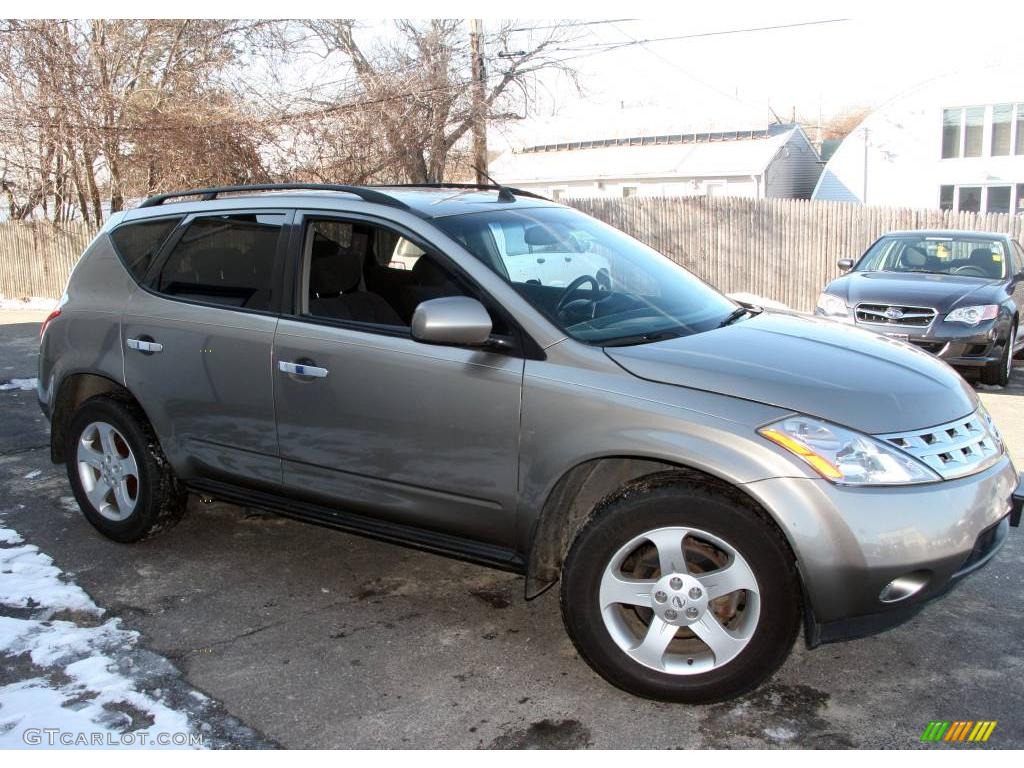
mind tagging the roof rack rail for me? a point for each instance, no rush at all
(457, 185)
(210, 193)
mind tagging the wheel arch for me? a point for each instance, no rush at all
(584, 487)
(75, 389)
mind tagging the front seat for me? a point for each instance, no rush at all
(429, 281)
(334, 277)
(982, 259)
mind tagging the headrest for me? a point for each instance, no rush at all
(914, 257)
(426, 271)
(981, 256)
(333, 269)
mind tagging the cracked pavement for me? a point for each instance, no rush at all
(318, 639)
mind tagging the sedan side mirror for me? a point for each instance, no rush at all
(845, 264)
(452, 320)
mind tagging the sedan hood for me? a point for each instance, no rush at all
(845, 375)
(943, 292)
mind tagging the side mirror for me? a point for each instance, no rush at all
(452, 320)
(845, 264)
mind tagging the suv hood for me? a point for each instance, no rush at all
(943, 292)
(846, 375)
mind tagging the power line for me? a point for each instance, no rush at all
(603, 47)
(570, 24)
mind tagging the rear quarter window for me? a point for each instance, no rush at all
(138, 244)
(227, 260)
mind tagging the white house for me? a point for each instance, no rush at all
(777, 161)
(955, 142)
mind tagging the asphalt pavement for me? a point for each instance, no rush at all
(319, 639)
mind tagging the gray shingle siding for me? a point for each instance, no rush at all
(795, 169)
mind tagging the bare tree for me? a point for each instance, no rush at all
(118, 108)
(412, 88)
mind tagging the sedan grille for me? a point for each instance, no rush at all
(895, 314)
(958, 448)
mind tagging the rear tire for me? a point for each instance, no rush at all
(751, 629)
(998, 373)
(118, 472)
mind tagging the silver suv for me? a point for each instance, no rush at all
(703, 478)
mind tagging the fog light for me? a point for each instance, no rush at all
(905, 586)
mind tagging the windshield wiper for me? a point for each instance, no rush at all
(735, 315)
(641, 338)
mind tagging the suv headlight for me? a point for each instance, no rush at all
(973, 315)
(832, 305)
(844, 456)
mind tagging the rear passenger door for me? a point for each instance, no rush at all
(197, 338)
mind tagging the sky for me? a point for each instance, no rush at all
(880, 50)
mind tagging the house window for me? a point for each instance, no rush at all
(974, 130)
(997, 199)
(628, 191)
(951, 132)
(1002, 129)
(969, 199)
(946, 192)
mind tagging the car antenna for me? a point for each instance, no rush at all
(504, 193)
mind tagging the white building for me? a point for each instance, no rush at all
(954, 142)
(777, 161)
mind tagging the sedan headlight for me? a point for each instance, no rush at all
(844, 456)
(832, 305)
(973, 315)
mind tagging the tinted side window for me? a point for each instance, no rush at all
(137, 244)
(225, 260)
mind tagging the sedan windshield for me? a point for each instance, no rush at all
(594, 282)
(962, 255)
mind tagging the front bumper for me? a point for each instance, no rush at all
(852, 542)
(959, 345)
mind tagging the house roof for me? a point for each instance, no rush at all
(719, 155)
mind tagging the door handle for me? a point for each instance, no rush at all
(300, 369)
(144, 346)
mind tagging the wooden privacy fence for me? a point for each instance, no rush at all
(784, 250)
(36, 257)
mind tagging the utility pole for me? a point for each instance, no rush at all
(479, 99)
(864, 195)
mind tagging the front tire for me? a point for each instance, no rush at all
(998, 373)
(118, 472)
(679, 591)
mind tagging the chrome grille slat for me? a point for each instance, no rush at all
(909, 316)
(970, 448)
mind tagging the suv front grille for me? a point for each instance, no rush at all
(959, 448)
(895, 314)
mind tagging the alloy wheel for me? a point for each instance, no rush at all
(679, 600)
(108, 471)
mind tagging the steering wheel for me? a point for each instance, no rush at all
(970, 268)
(566, 300)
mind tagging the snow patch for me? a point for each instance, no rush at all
(29, 302)
(29, 579)
(33, 474)
(23, 384)
(85, 683)
(780, 733)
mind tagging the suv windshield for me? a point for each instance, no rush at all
(962, 255)
(594, 282)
